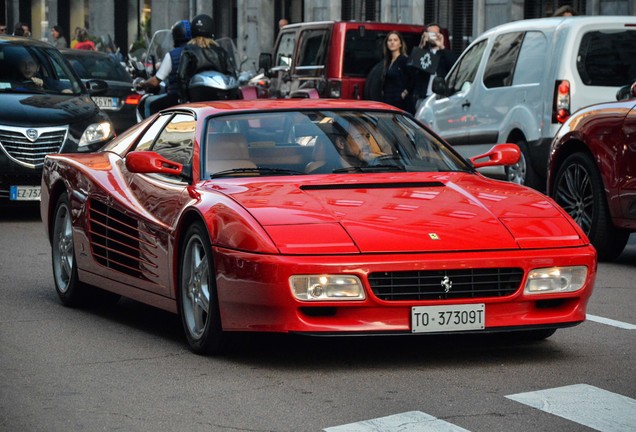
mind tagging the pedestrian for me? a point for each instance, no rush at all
(202, 53)
(167, 72)
(398, 76)
(441, 61)
(74, 38)
(59, 41)
(282, 23)
(565, 10)
(83, 42)
(3, 29)
(19, 30)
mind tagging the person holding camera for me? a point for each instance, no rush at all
(442, 60)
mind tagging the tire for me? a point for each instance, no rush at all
(578, 189)
(522, 172)
(198, 299)
(67, 284)
(373, 84)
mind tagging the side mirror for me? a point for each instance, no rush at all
(626, 92)
(265, 63)
(500, 154)
(439, 86)
(96, 87)
(148, 162)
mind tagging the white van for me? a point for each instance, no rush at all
(520, 81)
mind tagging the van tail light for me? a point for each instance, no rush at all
(132, 99)
(561, 102)
(334, 89)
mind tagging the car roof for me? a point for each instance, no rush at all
(353, 24)
(245, 105)
(573, 22)
(23, 41)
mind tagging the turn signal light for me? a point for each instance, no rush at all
(132, 99)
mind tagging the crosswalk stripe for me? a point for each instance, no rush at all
(585, 404)
(611, 322)
(412, 421)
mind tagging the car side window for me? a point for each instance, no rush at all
(463, 74)
(285, 52)
(532, 53)
(502, 59)
(313, 47)
(149, 137)
(176, 141)
(607, 58)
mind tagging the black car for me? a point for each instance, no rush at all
(44, 108)
(120, 100)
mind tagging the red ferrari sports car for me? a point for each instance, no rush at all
(592, 171)
(311, 216)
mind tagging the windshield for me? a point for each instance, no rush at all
(29, 69)
(322, 142)
(96, 66)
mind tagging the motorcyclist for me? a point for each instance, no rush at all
(181, 34)
(202, 53)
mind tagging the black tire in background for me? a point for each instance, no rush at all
(578, 188)
(373, 84)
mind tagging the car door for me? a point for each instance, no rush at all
(627, 177)
(450, 115)
(160, 198)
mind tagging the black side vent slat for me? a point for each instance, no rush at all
(119, 244)
(446, 284)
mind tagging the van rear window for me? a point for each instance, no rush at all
(364, 49)
(607, 58)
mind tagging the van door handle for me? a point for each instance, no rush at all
(466, 104)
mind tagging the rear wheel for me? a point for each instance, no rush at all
(198, 300)
(70, 290)
(578, 188)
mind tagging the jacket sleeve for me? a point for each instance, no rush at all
(183, 75)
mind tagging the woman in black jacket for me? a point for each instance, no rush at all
(398, 76)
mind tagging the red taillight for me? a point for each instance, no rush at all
(561, 101)
(132, 99)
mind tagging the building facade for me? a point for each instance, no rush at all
(253, 24)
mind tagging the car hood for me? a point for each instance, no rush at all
(413, 213)
(45, 109)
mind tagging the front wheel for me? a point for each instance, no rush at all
(70, 290)
(578, 189)
(198, 300)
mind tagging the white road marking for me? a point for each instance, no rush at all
(412, 421)
(585, 404)
(611, 322)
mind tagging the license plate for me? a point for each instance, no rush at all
(107, 103)
(24, 193)
(425, 319)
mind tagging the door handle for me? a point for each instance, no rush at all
(466, 104)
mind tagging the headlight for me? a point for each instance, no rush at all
(96, 132)
(556, 280)
(326, 287)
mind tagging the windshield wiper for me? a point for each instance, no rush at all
(255, 170)
(372, 168)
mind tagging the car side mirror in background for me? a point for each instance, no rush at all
(96, 87)
(265, 63)
(500, 154)
(439, 86)
(626, 92)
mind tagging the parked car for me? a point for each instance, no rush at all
(328, 59)
(45, 109)
(311, 216)
(120, 100)
(592, 172)
(520, 81)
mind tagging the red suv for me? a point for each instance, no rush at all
(328, 59)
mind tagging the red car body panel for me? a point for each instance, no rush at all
(608, 131)
(265, 229)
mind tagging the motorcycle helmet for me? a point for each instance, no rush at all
(181, 33)
(202, 25)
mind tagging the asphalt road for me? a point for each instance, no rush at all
(128, 367)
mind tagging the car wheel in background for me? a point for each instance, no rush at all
(70, 290)
(578, 188)
(198, 300)
(522, 172)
